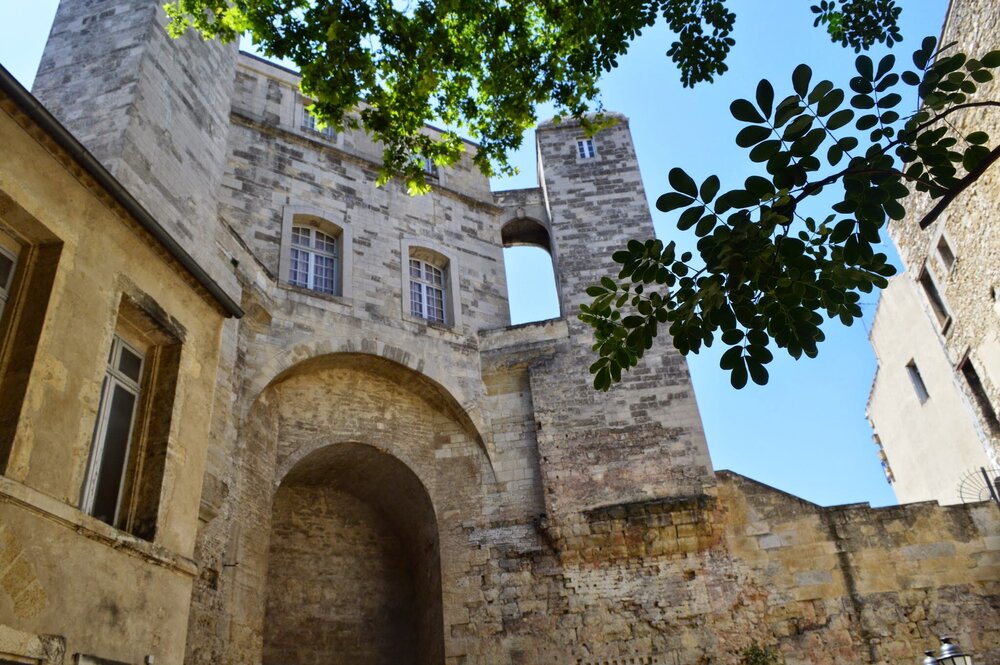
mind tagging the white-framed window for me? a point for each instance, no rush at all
(314, 260)
(109, 451)
(427, 291)
(430, 283)
(8, 264)
(585, 149)
(309, 123)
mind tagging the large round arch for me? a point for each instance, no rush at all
(354, 573)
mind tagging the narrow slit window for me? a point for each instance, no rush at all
(944, 253)
(8, 263)
(917, 380)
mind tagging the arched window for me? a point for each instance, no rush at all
(315, 251)
(314, 260)
(430, 283)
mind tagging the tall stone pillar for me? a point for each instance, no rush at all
(643, 440)
(153, 110)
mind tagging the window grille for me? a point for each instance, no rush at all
(585, 149)
(427, 291)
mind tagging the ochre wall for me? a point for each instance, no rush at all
(63, 572)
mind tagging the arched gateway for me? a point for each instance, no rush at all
(367, 455)
(354, 572)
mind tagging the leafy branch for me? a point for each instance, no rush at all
(768, 274)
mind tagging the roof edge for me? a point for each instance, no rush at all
(34, 109)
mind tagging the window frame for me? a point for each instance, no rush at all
(586, 149)
(7, 289)
(312, 253)
(917, 381)
(309, 124)
(441, 259)
(113, 377)
(322, 220)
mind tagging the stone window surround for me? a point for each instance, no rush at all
(943, 241)
(322, 219)
(441, 257)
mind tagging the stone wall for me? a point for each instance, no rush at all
(969, 288)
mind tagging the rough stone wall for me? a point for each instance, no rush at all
(644, 439)
(971, 287)
(338, 572)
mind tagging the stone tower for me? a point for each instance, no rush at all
(153, 110)
(388, 471)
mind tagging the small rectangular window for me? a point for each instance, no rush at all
(585, 149)
(978, 392)
(938, 306)
(945, 254)
(918, 381)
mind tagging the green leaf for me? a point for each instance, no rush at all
(973, 155)
(705, 225)
(865, 67)
(765, 97)
(738, 376)
(834, 154)
(978, 138)
(884, 65)
(923, 54)
(732, 356)
(757, 372)
(751, 135)
(991, 59)
(690, 217)
(830, 101)
(682, 182)
(595, 290)
(800, 80)
(709, 188)
(765, 150)
(910, 78)
(672, 201)
(839, 119)
(744, 111)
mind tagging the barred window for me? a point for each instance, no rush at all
(314, 260)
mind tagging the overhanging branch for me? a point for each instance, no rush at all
(962, 185)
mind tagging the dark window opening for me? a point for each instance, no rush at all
(944, 251)
(938, 306)
(979, 395)
(918, 381)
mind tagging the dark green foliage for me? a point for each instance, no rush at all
(757, 655)
(476, 65)
(859, 23)
(769, 274)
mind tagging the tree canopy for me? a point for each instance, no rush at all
(772, 265)
(771, 260)
(479, 66)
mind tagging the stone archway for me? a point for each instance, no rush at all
(354, 573)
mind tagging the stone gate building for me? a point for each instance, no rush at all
(332, 447)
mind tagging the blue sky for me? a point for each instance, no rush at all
(805, 432)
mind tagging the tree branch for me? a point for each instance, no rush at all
(962, 185)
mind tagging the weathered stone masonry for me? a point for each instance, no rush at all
(379, 488)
